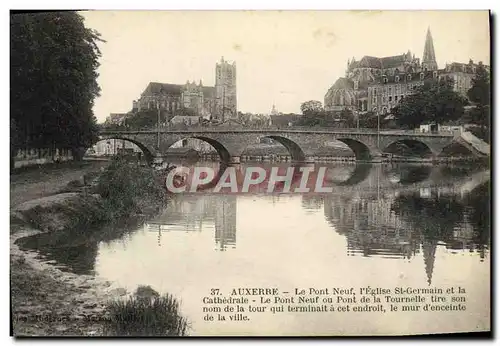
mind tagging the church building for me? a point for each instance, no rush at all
(217, 102)
(376, 84)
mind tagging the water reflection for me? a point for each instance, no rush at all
(378, 216)
(194, 213)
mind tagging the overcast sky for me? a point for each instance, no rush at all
(282, 57)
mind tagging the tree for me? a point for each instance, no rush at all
(347, 118)
(53, 78)
(369, 120)
(433, 102)
(309, 107)
(479, 95)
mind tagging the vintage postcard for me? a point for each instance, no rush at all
(250, 173)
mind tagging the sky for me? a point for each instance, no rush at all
(282, 57)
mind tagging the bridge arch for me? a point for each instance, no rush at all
(415, 147)
(294, 149)
(360, 149)
(221, 149)
(359, 174)
(408, 175)
(148, 152)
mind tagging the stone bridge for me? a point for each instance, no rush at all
(300, 143)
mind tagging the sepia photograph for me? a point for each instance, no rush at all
(249, 173)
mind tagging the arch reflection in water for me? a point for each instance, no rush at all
(408, 174)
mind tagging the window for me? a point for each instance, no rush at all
(397, 79)
(390, 90)
(435, 74)
(390, 98)
(421, 76)
(384, 78)
(408, 78)
(374, 109)
(396, 98)
(402, 97)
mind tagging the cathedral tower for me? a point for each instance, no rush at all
(225, 91)
(429, 59)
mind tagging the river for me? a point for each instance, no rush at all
(382, 226)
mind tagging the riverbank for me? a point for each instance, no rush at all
(35, 182)
(47, 300)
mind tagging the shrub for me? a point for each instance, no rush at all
(141, 315)
(128, 189)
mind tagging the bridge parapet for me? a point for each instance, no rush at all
(300, 142)
(201, 130)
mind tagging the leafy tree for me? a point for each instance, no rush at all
(309, 107)
(347, 118)
(433, 102)
(53, 72)
(479, 94)
(370, 120)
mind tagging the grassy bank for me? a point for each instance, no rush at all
(42, 302)
(122, 190)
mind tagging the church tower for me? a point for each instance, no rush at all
(429, 253)
(429, 59)
(225, 91)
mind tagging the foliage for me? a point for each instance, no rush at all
(480, 91)
(480, 94)
(433, 102)
(370, 120)
(322, 118)
(53, 72)
(127, 188)
(146, 315)
(310, 107)
(143, 119)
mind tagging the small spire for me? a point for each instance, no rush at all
(201, 84)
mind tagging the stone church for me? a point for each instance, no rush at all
(217, 102)
(377, 84)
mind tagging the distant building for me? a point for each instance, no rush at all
(377, 84)
(116, 118)
(175, 98)
(462, 74)
(210, 102)
(110, 147)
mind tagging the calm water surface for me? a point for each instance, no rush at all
(382, 226)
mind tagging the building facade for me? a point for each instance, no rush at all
(191, 99)
(225, 91)
(377, 84)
